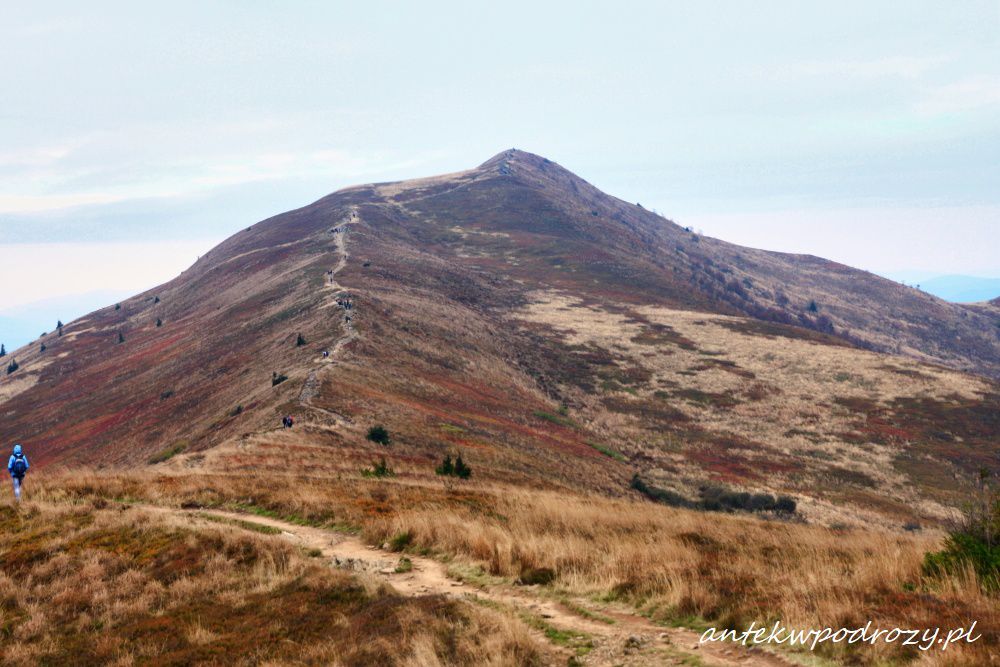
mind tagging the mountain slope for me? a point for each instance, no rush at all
(551, 332)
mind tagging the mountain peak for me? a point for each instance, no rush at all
(513, 159)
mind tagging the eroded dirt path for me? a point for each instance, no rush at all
(616, 635)
(310, 387)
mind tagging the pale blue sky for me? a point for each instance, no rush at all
(867, 132)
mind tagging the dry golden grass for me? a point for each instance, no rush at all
(676, 565)
(93, 584)
(783, 394)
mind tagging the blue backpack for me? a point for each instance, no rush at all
(19, 467)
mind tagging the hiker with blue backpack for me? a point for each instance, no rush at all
(17, 466)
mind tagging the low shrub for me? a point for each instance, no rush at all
(379, 434)
(975, 540)
(379, 469)
(537, 576)
(717, 499)
(400, 541)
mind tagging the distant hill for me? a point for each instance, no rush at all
(561, 335)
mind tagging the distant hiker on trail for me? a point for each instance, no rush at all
(287, 421)
(17, 466)
(326, 353)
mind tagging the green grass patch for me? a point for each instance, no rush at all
(168, 453)
(607, 451)
(475, 575)
(296, 519)
(579, 642)
(555, 419)
(400, 541)
(580, 610)
(239, 523)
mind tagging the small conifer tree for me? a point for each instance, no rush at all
(3, 350)
(300, 341)
(462, 471)
(121, 337)
(447, 468)
(159, 322)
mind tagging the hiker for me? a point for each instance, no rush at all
(17, 466)
(287, 421)
(326, 353)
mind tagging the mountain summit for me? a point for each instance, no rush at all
(515, 310)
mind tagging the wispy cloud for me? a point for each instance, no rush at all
(36, 156)
(970, 94)
(901, 67)
(50, 178)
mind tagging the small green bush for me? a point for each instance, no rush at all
(379, 434)
(718, 499)
(659, 495)
(962, 549)
(300, 340)
(379, 469)
(400, 541)
(975, 540)
(537, 576)
(785, 505)
(12, 366)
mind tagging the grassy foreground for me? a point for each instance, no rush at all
(91, 583)
(677, 566)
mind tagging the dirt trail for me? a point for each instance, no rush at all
(311, 386)
(618, 636)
